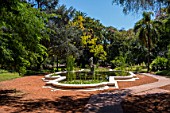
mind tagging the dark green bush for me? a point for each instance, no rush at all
(163, 72)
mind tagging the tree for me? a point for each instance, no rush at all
(43, 4)
(21, 30)
(161, 48)
(141, 5)
(91, 38)
(148, 32)
(64, 37)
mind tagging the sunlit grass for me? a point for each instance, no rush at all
(5, 75)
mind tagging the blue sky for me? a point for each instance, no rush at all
(105, 11)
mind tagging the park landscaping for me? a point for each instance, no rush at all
(58, 59)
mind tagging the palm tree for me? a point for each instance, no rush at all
(148, 31)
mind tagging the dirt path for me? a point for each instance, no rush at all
(27, 95)
(151, 87)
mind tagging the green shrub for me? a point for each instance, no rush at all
(70, 63)
(163, 72)
(160, 63)
(22, 70)
(168, 54)
(138, 68)
(120, 63)
(70, 67)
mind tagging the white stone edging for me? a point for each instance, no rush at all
(112, 81)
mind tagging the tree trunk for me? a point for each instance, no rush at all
(38, 3)
(148, 70)
(149, 50)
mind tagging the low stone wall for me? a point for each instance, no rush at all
(79, 86)
(54, 81)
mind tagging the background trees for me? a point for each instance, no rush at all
(37, 33)
(161, 8)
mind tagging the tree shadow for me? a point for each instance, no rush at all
(62, 104)
(7, 97)
(149, 103)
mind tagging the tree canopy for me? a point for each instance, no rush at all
(135, 6)
(21, 30)
(40, 33)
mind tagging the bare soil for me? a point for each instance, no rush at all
(143, 79)
(149, 103)
(27, 95)
(167, 87)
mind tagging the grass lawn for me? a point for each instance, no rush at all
(5, 75)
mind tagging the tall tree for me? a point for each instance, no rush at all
(91, 39)
(64, 38)
(21, 30)
(148, 32)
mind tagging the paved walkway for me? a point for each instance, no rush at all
(110, 102)
(152, 87)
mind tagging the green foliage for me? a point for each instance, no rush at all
(91, 38)
(148, 32)
(36, 72)
(168, 54)
(21, 30)
(120, 63)
(28, 39)
(101, 69)
(64, 37)
(83, 81)
(140, 68)
(70, 67)
(70, 63)
(54, 70)
(160, 63)
(163, 73)
(140, 5)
